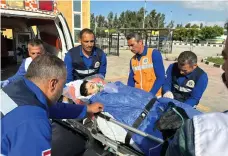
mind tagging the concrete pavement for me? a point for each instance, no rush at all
(199, 51)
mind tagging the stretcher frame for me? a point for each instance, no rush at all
(110, 146)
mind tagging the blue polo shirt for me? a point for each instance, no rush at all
(197, 91)
(20, 73)
(158, 69)
(26, 129)
(87, 61)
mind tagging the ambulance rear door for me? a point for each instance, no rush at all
(65, 34)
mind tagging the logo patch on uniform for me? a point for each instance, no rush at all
(145, 61)
(97, 64)
(46, 152)
(190, 84)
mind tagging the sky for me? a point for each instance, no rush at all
(182, 12)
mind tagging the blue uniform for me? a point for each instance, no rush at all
(195, 93)
(25, 126)
(158, 69)
(22, 70)
(76, 59)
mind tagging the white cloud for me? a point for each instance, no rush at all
(207, 5)
(219, 23)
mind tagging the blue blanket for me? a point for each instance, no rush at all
(126, 105)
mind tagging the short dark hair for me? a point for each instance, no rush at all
(46, 66)
(83, 89)
(187, 57)
(35, 42)
(136, 36)
(86, 30)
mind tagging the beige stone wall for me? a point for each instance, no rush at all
(85, 14)
(66, 8)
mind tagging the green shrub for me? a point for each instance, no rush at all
(216, 60)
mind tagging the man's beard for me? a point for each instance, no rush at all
(55, 98)
(224, 79)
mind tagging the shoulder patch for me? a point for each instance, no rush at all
(190, 84)
(145, 61)
(97, 64)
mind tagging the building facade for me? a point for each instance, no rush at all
(77, 14)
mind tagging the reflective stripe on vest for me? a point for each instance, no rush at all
(89, 71)
(7, 104)
(182, 89)
(144, 75)
(142, 67)
(80, 71)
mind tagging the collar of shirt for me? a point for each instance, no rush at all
(187, 76)
(94, 53)
(143, 53)
(36, 90)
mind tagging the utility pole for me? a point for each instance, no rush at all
(95, 29)
(170, 34)
(144, 15)
(191, 45)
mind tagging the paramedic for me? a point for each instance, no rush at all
(146, 66)
(206, 134)
(185, 81)
(86, 59)
(26, 130)
(35, 48)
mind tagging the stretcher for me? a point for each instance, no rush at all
(109, 147)
(172, 117)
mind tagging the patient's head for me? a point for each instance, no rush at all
(88, 88)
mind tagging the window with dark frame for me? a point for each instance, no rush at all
(77, 15)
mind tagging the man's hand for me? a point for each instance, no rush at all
(95, 108)
(4, 83)
(168, 95)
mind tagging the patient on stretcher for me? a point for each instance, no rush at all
(88, 88)
(125, 104)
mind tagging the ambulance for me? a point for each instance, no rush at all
(27, 19)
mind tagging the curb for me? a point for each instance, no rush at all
(182, 44)
(200, 44)
(211, 63)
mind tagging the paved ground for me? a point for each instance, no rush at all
(214, 98)
(200, 51)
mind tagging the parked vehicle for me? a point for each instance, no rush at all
(217, 40)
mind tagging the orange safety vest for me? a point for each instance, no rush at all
(144, 75)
